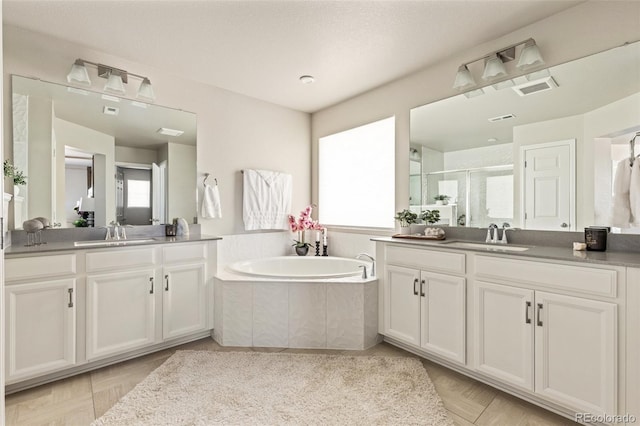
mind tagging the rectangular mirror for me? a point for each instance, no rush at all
(538, 155)
(92, 158)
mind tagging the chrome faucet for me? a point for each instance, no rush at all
(115, 235)
(373, 262)
(492, 233)
(505, 225)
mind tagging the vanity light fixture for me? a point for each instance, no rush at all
(78, 73)
(495, 71)
(464, 78)
(116, 79)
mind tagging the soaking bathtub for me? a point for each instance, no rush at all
(296, 302)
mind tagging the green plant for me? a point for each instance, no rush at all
(300, 244)
(80, 223)
(430, 216)
(406, 217)
(10, 171)
(441, 197)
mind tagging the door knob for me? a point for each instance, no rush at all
(564, 225)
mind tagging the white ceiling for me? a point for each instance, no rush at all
(260, 48)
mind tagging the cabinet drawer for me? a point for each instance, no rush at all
(114, 260)
(426, 259)
(184, 252)
(586, 280)
(39, 266)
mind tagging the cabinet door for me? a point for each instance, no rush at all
(504, 333)
(402, 304)
(442, 313)
(40, 328)
(576, 352)
(184, 300)
(120, 312)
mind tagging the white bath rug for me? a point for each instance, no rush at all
(244, 388)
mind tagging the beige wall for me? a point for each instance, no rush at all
(128, 154)
(582, 30)
(235, 132)
(180, 178)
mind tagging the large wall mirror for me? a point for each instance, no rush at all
(538, 155)
(95, 156)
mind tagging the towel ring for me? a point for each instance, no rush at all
(206, 176)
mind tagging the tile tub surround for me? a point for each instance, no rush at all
(338, 313)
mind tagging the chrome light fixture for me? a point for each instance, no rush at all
(146, 91)
(114, 83)
(116, 79)
(493, 68)
(495, 72)
(79, 73)
(464, 79)
(530, 56)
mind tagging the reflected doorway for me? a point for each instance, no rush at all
(133, 196)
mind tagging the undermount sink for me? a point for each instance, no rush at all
(109, 243)
(483, 246)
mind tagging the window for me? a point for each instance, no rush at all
(356, 176)
(138, 193)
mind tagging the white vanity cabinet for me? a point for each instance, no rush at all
(184, 290)
(563, 335)
(121, 305)
(529, 334)
(68, 313)
(40, 315)
(423, 306)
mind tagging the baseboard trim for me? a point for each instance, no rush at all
(94, 365)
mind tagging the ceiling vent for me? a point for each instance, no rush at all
(109, 110)
(502, 118)
(169, 132)
(536, 86)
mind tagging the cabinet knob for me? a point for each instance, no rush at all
(564, 225)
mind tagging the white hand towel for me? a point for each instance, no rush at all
(621, 207)
(211, 207)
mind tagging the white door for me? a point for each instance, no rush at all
(548, 189)
(120, 312)
(40, 328)
(184, 300)
(504, 333)
(576, 352)
(158, 197)
(402, 304)
(442, 315)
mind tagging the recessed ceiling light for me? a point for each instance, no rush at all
(492, 140)
(169, 132)
(307, 79)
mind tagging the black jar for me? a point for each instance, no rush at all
(596, 237)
